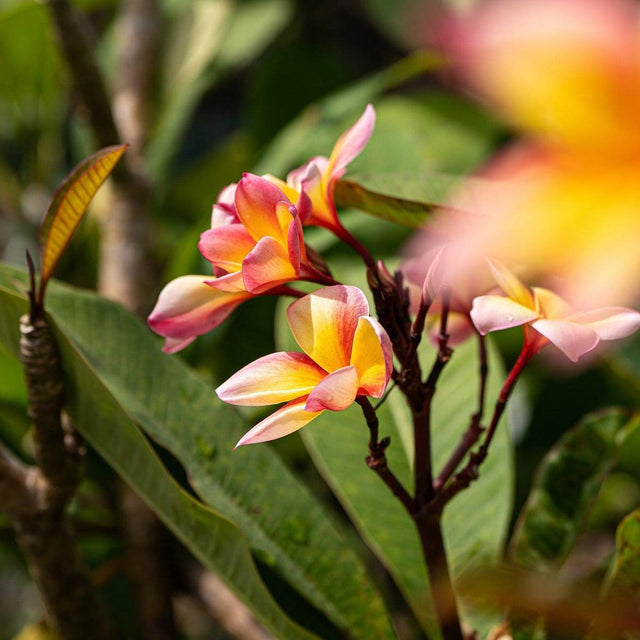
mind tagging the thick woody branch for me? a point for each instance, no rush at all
(35, 498)
(18, 482)
(55, 459)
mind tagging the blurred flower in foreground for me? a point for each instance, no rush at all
(187, 307)
(318, 177)
(548, 318)
(425, 277)
(346, 353)
(565, 203)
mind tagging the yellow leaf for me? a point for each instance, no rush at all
(69, 204)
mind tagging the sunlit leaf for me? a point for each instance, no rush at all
(69, 204)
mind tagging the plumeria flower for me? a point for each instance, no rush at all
(256, 241)
(565, 200)
(318, 177)
(187, 307)
(426, 275)
(346, 353)
(547, 318)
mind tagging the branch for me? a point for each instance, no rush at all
(75, 39)
(473, 433)
(377, 460)
(18, 494)
(35, 497)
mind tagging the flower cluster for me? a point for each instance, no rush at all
(256, 243)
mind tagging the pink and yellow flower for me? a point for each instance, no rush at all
(566, 201)
(547, 318)
(188, 306)
(318, 177)
(256, 241)
(426, 275)
(346, 353)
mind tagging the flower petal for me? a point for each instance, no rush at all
(187, 307)
(573, 339)
(610, 323)
(372, 356)
(510, 284)
(324, 324)
(277, 377)
(493, 313)
(550, 304)
(231, 282)
(284, 421)
(267, 265)
(459, 327)
(226, 246)
(336, 391)
(350, 144)
(564, 70)
(256, 203)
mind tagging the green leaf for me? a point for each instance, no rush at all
(115, 364)
(213, 38)
(625, 577)
(566, 486)
(404, 198)
(475, 523)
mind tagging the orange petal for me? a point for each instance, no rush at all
(284, 421)
(372, 357)
(278, 377)
(324, 324)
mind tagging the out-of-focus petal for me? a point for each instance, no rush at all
(336, 392)
(277, 377)
(493, 313)
(509, 283)
(372, 356)
(573, 339)
(256, 203)
(351, 143)
(266, 266)
(459, 327)
(324, 323)
(610, 323)
(565, 70)
(187, 307)
(227, 246)
(569, 218)
(550, 304)
(284, 421)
